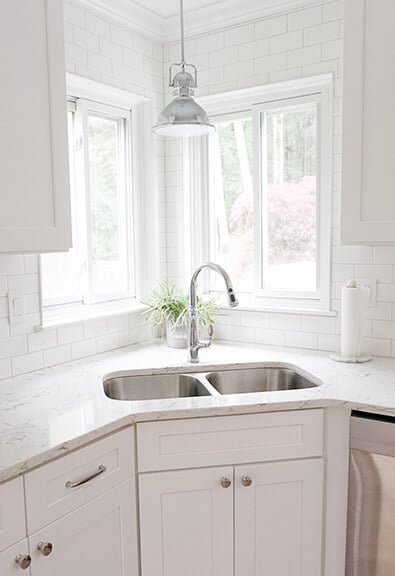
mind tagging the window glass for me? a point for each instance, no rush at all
(106, 205)
(289, 192)
(233, 242)
(60, 270)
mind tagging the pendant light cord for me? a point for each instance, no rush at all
(182, 35)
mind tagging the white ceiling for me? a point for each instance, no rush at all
(170, 8)
(160, 18)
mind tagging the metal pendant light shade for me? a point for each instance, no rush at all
(183, 117)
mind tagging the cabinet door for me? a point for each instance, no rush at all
(97, 539)
(186, 523)
(368, 199)
(8, 564)
(278, 519)
(34, 187)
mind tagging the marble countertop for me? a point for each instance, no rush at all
(53, 411)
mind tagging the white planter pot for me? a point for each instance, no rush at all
(176, 335)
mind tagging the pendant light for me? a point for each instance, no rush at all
(183, 117)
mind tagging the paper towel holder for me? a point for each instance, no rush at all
(352, 359)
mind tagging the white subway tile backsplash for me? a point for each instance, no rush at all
(83, 349)
(97, 25)
(269, 337)
(304, 56)
(285, 42)
(86, 39)
(251, 50)
(333, 11)
(271, 63)
(305, 18)
(301, 340)
(271, 27)
(47, 338)
(321, 33)
(239, 35)
(121, 36)
(57, 355)
(70, 333)
(27, 363)
(269, 50)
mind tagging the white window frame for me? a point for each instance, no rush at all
(198, 215)
(89, 94)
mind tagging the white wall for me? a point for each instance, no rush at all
(106, 52)
(301, 43)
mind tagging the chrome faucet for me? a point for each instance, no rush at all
(194, 343)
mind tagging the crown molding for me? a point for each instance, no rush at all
(221, 14)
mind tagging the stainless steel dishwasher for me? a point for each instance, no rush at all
(371, 499)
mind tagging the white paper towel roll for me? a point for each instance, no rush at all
(354, 300)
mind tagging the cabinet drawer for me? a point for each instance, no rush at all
(229, 440)
(8, 565)
(69, 482)
(12, 513)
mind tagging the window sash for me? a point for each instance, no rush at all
(290, 104)
(126, 225)
(80, 197)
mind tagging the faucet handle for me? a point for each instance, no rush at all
(207, 343)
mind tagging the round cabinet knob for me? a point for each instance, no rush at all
(45, 548)
(23, 561)
(225, 482)
(246, 481)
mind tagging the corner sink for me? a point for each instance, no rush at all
(154, 387)
(265, 379)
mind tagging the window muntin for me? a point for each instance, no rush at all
(100, 263)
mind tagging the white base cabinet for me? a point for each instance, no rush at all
(278, 518)
(96, 539)
(186, 523)
(8, 565)
(241, 519)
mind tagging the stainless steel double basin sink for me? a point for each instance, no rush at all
(216, 383)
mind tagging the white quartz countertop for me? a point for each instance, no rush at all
(48, 413)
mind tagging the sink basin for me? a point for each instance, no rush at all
(154, 387)
(264, 379)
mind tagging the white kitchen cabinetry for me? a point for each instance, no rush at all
(368, 199)
(14, 550)
(278, 518)
(15, 560)
(186, 522)
(80, 511)
(98, 538)
(232, 519)
(34, 189)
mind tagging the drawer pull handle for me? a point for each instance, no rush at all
(23, 561)
(45, 548)
(225, 482)
(246, 481)
(99, 471)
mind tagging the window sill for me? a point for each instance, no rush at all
(54, 316)
(244, 307)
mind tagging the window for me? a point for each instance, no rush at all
(265, 181)
(99, 267)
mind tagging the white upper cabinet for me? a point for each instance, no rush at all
(368, 204)
(34, 184)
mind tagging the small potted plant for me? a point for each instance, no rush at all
(168, 309)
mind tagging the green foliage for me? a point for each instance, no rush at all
(104, 187)
(167, 304)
